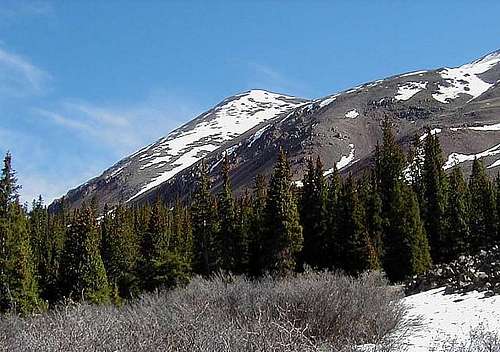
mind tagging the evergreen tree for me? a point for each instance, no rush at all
(226, 236)
(482, 208)
(38, 226)
(406, 246)
(330, 241)
(457, 215)
(255, 235)
(313, 215)
(84, 276)
(389, 165)
(406, 249)
(370, 196)
(283, 233)
(352, 241)
(435, 189)
(204, 225)
(120, 250)
(18, 284)
(51, 251)
(414, 172)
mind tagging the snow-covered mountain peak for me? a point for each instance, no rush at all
(191, 142)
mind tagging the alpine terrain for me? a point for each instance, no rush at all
(461, 104)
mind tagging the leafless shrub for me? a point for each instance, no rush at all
(480, 339)
(309, 312)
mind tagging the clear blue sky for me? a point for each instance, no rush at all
(84, 83)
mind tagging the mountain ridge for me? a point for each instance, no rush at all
(344, 126)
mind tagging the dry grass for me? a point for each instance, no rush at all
(309, 312)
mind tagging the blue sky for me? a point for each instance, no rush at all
(85, 83)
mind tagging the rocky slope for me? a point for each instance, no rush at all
(461, 104)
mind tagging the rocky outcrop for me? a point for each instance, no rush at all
(480, 272)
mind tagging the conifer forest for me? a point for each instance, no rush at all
(403, 215)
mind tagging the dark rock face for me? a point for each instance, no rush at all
(461, 104)
(480, 272)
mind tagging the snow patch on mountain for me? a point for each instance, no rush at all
(234, 116)
(433, 132)
(414, 73)
(352, 114)
(345, 160)
(326, 102)
(409, 89)
(457, 158)
(256, 136)
(464, 79)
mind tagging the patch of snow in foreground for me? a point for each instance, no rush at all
(447, 317)
(352, 114)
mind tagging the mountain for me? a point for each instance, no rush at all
(461, 104)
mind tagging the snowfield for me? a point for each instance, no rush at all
(409, 89)
(448, 317)
(464, 79)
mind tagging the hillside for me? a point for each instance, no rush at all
(461, 104)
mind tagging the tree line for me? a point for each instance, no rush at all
(402, 215)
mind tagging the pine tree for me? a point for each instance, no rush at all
(457, 216)
(352, 241)
(283, 233)
(406, 246)
(370, 196)
(38, 226)
(204, 224)
(120, 250)
(414, 172)
(51, 252)
(435, 190)
(406, 249)
(84, 276)
(482, 208)
(330, 241)
(18, 284)
(244, 218)
(255, 235)
(226, 236)
(313, 215)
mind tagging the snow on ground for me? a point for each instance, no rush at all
(182, 148)
(445, 317)
(257, 135)
(409, 89)
(327, 101)
(464, 79)
(345, 160)
(495, 127)
(352, 114)
(457, 158)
